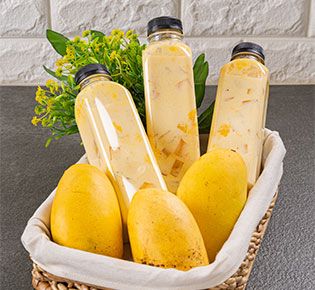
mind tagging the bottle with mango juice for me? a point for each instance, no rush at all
(171, 113)
(240, 107)
(113, 135)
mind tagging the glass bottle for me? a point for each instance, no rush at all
(113, 135)
(240, 107)
(171, 113)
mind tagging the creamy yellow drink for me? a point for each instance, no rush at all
(113, 135)
(171, 114)
(240, 107)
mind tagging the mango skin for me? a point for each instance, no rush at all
(163, 232)
(85, 213)
(215, 190)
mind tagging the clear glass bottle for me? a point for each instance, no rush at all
(113, 135)
(171, 113)
(240, 107)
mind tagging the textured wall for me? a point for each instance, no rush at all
(285, 28)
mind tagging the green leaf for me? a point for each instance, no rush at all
(52, 73)
(204, 120)
(57, 40)
(201, 71)
(48, 141)
(93, 60)
(200, 84)
(199, 61)
(96, 33)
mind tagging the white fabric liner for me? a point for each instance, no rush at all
(114, 273)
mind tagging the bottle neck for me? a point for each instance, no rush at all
(94, 78)
(250, 55)
(165, 34)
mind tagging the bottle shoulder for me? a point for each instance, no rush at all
(245, 67)
(103, 87)
(167, 48)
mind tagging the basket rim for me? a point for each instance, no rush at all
(238, 280)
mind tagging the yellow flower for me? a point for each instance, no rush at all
(35, 121)
(113, 55)
(129, 33)
(69, 55)
(59, 62)
(70, 51)
(59, 72)
(97, 47)
(40, 91)
(133, 37)
(50, 103)
(117, 32)
(52, 85)
(86, 33)
(82, 43)
(76, 39)
(40, 95)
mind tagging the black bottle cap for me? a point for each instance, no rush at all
(164, 22)
(249, 47)
(90, 69)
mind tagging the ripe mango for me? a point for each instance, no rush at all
(85, 213)
(163, 232)
(215, 190)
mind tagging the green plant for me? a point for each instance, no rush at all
(201, 71)
(121, 53)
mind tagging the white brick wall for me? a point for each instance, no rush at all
(285, 28)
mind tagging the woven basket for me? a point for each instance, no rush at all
(43, 280)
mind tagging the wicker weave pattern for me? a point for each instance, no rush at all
(42, 280)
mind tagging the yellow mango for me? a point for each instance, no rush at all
(163, 232)
(85, 213)
(215, 190)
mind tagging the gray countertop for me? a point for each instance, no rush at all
(29, 172)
